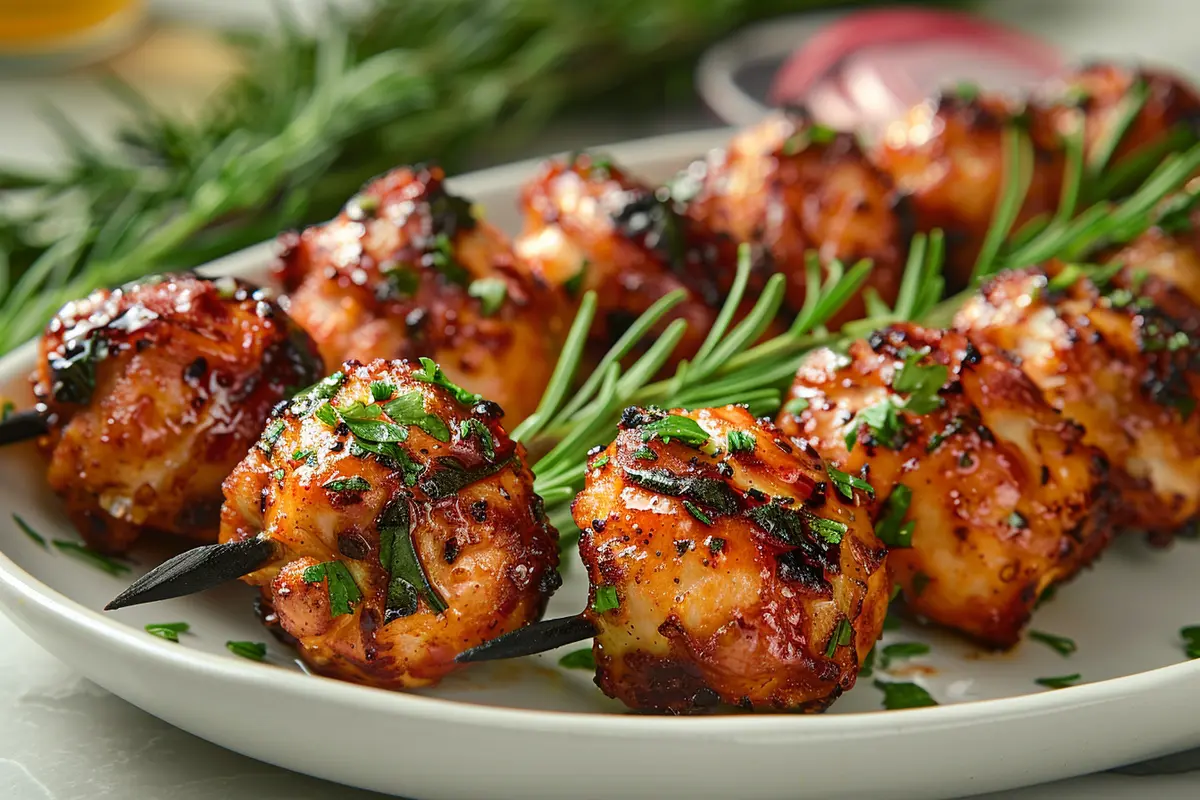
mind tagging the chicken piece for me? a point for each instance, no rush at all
(948, 155)
(987, 496)
(1119, 366)
(405, 524)
(724, 567)
(790, 186)
(589, 226)
(153, 392)
(1171, 258)
(406, 270)
(1103, 91)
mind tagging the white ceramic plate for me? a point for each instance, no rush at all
(530, 729)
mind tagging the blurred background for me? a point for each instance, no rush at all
(144, 135)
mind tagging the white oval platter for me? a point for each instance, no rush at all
(530, 729)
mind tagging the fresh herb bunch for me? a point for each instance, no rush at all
(316, 114)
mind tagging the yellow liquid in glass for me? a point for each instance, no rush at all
(42, 24)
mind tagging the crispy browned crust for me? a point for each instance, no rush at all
(725, 612)
(1120, 371)
(947, 156)
(185, 372)
(487, 547)
(775, 187)
(994, 449)
(390, 278)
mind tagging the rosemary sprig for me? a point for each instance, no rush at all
(1018, 173)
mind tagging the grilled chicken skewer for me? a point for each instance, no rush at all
(389, 522)
(725, 567)
(987, 497)
(407, 270)
(150, 394)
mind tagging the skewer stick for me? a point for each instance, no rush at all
(536, 638)
(22, 426)
(196, 570)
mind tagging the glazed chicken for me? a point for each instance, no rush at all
(790, 186)
(948, 156)
(407, 270)
(590, 227)
(404, 521)
(725, 566)
(1174, 260)
(153, 392)
(987, 497)
(1118, 364)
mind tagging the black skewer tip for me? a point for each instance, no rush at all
(22, 426)
(536, 638)
(196, 570)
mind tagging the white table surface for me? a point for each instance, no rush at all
(64, 738)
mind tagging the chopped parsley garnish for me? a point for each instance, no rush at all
(473, 427)
(303, 455)
(789, 525)
(6, 410)
(452, 476)
(255, 651)
(403, 279)
(645, 454)
(579, 659)
(891, 528)
(898, 695)
(491, 293)
(309, 400)
(327, 414)
(75, 374)
(441, 256)
(846, 483)
(398, 555)
(830, 530)
(1191, 640)
(573, 284)
(271, 435)
(599, 462)
(168, 630)
(365, 422)
(673, 426)
(343, 591)
(883, 421)
(842, 634)
(715, 544)
(1061, 644)
(901, 650)
(279, 474)
(432, 373)
(90, 556)
(409, 409)
(741, 442)
(796, 406)
(952, 427)
(921, 384)
(381, 391)
(710, 492)
(1058, 682)
(390, 454)
(606, 599)
(353, 484)
(1017, 520)
(695, 511)
(30, 532)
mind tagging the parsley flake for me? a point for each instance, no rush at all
(1058, 682)
(599, 462)
(473, 427)
(673, 426)
(891, 529)
(271, 435)
(408, 580)
(343, 591)
(842, 634)
(897, 695)
(1060, 644)
(353, 484)
(409, 409)
(381, 391)
(441, 256)
(695, 511)
(606, 599)
(307, 401)
(365, 422)
(901, 650)
(644, 453)
(432, 373)
(30, 532)
(845, 483)
(579, 659)
(741, 442)
(168, 630)
(796, 406)
(491, 293)
(1191, 640)
(90, 556)
(255, 651)
(7, 409)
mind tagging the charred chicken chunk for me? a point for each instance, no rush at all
(948, 156)
(987, 497)
(404, 521)
(406, 270)
(1115, 362)
(153, 392)
(790, 186)
(725, 566)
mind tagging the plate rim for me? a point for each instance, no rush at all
(18, 587)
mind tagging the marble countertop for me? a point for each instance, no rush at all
(64, 738)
